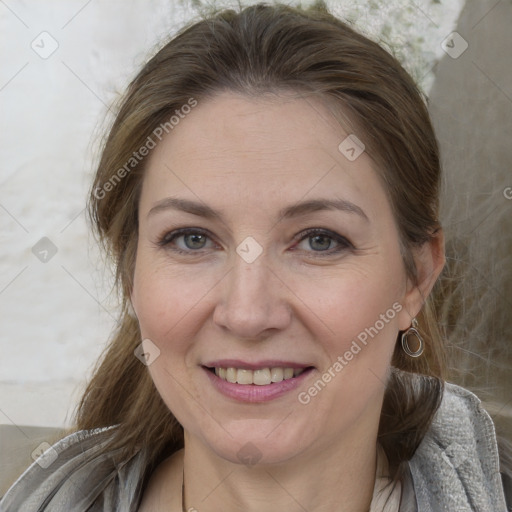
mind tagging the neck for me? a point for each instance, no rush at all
(337, 478)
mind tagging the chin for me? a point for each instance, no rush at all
(252, 442)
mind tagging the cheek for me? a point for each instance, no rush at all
(348, 305)
(168, 303)
(359, 343)
(359, 313)
(165, 297)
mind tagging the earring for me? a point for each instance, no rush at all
(405, 343)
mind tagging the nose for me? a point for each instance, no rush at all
(253, 301)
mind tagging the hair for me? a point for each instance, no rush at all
(257, 50)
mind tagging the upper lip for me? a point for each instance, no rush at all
(245, 365)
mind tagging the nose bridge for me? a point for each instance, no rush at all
(252, 300)
(248, 281)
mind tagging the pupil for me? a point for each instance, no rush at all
(320, 242)
(194, 241)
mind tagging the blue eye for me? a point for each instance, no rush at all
(322, 241)
(186, 240)
(194, 240)
(318, 241)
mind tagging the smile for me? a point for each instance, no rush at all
(261, 383)
(260, 377)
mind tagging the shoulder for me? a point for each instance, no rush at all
(456, 467)
(77, 473)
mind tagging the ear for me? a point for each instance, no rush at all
(430, 261)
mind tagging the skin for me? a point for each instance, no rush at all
(248, 158)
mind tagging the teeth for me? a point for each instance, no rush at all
(276, 374)
(244, 376)
(261, 377)
(288, 373)
(231, 375)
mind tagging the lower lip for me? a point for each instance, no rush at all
(253, 392)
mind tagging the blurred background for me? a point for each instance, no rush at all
(63, 64)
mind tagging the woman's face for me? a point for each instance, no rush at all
(267, 252)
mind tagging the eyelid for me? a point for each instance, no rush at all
(343, 241)
(168, 237)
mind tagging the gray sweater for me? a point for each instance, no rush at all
(455, 469)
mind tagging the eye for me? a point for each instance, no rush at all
(322, 241)
(186, 240)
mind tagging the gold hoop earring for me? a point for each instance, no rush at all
(405, 342)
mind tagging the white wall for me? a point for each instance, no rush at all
(56, 315)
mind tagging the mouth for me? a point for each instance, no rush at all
(252, 383)
(259, 377)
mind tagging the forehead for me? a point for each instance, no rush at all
(269, 128)
(282, 147)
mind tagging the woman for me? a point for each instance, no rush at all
(269, 195)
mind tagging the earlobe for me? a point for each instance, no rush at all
(429, 260)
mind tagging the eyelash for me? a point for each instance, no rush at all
(344, 244)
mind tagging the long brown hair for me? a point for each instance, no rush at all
(256, 50)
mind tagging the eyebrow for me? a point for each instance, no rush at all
(315, 205)
(296, 210)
